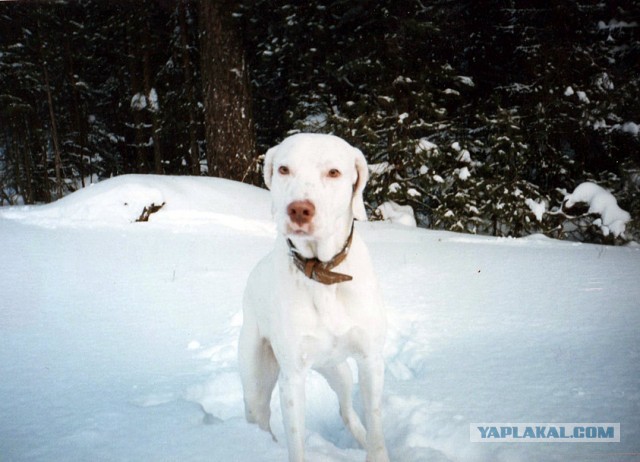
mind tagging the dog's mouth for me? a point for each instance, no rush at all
(293, 230)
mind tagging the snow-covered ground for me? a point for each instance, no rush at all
(118, 339)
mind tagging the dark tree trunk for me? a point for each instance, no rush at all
(194, 154)
(54, 134)
(78, 117)
(52, 117)
(141, 164)
(27, 182)
(152, 106)
(229, 129)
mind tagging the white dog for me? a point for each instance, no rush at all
(298, 312)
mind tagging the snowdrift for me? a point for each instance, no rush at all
(122, 200)
(118, 339)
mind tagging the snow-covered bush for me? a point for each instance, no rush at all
(399, 214)
(590, 213)
(611, 219)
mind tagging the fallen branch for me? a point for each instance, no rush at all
(146, 213)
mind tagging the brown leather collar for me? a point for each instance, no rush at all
(321, 271)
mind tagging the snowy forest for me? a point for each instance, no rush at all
(481, 115)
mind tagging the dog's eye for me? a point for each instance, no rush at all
(334, 173)
(283, 170)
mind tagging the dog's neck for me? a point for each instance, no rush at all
(322, 271)
(326, 248)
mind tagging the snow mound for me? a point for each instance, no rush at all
(602, 202)
(121, 201)
(396, 213)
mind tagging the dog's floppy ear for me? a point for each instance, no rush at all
(267, 169)
(357, 202)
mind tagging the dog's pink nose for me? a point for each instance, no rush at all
(301, 212)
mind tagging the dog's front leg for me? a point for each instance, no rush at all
(371, 375)
(292, 401)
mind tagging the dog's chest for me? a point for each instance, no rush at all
(330, 311)
(331, 335)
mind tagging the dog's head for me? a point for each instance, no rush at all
(316, 184)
